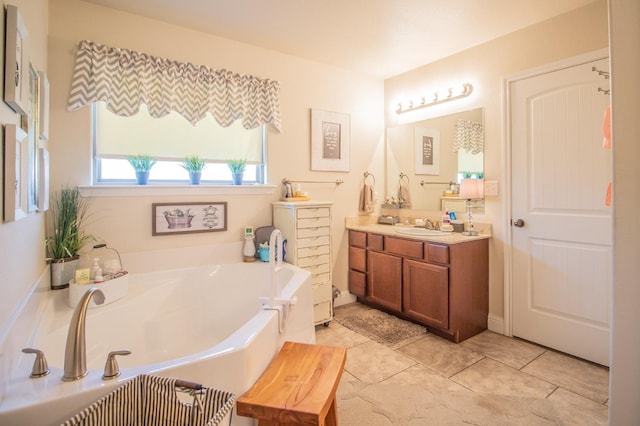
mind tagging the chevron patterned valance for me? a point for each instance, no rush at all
(124, 79)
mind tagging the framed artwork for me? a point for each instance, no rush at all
(43, 179)
(427, 151)
(16, 62)
(43, 106)
(14, 150)
(185, 218)
(330, 140)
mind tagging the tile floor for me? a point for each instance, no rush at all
(488, 379)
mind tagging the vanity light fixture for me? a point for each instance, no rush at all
(471, 189)
(438, 97)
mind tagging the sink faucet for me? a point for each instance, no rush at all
(75, 353)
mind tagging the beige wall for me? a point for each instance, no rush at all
(125, 222)
(486, 66)
(22, 242)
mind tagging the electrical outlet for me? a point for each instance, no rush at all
(491, 188)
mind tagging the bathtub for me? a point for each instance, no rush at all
(204, 324)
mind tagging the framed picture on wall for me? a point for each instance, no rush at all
(15, 151)
(185, 218)
(16, 62)
(427, 151)
(330, 140)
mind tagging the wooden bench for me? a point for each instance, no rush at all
(298, 387)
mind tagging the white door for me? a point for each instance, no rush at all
(561, 228)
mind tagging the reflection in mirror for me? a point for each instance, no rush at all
(430, 158)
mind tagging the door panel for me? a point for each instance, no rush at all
(562, 256)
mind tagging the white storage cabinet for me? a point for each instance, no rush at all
(306, 225)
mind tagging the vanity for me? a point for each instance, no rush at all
(441, 282)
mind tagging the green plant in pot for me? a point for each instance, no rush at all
(67, 212)
(237, 170)
(142, 165)
(194, 165)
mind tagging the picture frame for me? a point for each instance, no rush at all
(43, 179)
(43, 106)
(186, 218)
(330, 141)
(16, 62)
(427, 151)
(14, 150)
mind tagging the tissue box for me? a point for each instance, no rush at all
(113, 290)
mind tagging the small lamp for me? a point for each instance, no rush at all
(471, 189)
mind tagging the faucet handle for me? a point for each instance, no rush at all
(40, 367)
(111, 369)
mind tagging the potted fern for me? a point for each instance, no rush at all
(237, 170)
(67, 212)
(194, 165)
(142, 165)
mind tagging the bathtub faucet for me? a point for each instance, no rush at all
(75, 353)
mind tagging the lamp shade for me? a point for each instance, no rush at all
(472, 188)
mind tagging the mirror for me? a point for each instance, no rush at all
(432, 156)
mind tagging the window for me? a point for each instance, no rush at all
(169, 140)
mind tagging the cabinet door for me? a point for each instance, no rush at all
(385, 280)
(426, 292)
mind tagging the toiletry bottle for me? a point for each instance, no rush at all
(94, 269)
(446, 219)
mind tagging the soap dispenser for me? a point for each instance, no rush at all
(249, 249)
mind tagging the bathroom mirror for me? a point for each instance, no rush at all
(432, 154)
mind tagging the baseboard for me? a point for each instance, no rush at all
(495, 324)
(344, 298)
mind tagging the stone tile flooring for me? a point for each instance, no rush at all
(488, 379)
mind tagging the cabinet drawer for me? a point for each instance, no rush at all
(312, 251)
(316, 269)
(313, 232)
(313, 222)
(374, 242)
(357, 283)
(436, 253)
(306, 262)
(313, 241)
(322, 312)
(403, 247)
(321, 292)
(307, 212)
(319, 277)
(358, 239)
(358, 259)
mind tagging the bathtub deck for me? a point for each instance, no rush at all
(298, 387)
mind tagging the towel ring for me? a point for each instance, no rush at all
(366, 175)
(403, 176)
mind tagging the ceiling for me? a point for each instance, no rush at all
(381, 38)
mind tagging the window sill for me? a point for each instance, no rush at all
(163, 190)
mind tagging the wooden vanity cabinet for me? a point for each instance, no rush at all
(441, 286)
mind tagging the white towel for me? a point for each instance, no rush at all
(404, 198)
(367, 203)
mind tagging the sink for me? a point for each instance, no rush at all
(421, 232)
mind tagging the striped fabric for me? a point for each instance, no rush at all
(152, 401)
(124, 79)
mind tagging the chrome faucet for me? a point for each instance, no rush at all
(75, 353)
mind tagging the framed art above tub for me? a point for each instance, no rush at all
(185, 218)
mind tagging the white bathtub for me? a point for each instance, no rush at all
(202, 324)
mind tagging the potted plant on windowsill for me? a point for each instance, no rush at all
(237, 170)
(142, 164)
(194, 166)
(67, 212)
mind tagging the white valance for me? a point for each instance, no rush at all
(124, 79)
(469, 136)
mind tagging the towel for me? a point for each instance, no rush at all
(366, 204)
(403, 194)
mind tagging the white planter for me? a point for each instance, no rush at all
(62, 271)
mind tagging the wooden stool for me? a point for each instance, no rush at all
(298, 387)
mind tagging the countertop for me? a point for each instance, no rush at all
(391, 230)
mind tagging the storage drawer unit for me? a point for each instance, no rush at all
(306, 225)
